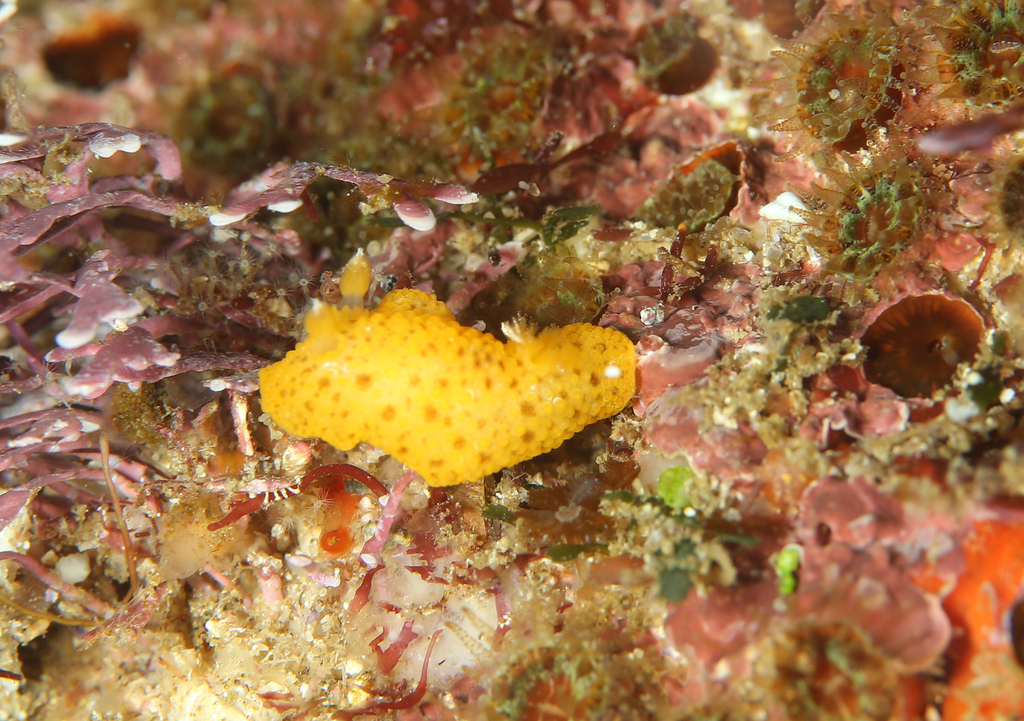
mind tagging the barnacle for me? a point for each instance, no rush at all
(915, 345)
(451, 402)
(841, 87)
(982, 49)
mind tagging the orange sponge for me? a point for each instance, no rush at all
(450, 402)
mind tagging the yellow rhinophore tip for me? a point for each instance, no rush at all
(355, 280)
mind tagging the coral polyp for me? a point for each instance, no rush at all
(815, 672)
(588, 673)
(915, 346)
(864, 218)
(982, 49)
(841, 84)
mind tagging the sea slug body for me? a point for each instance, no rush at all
(450, 402)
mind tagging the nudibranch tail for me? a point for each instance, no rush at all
(451, 402)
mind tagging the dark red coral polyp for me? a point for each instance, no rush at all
(915, 346)
(673, 58)
(98, 52)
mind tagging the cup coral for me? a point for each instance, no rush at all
(915, 346)
(673, 58)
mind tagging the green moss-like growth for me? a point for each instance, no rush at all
(804, 309)
(672, 485)
(692, 197)
(137, 415)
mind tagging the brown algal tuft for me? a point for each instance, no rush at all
(915, 346)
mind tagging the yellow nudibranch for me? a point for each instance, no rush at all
(450, 402)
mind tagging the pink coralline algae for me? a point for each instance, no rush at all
(674, 427)
(678, 337)
(857, 409)
(849, 572)
(850, 575)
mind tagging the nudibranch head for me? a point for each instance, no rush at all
(450, 402)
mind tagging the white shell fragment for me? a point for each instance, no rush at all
(783, 208)
(104, 147)
(74, 568)
(284, 206)
(222, 219)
